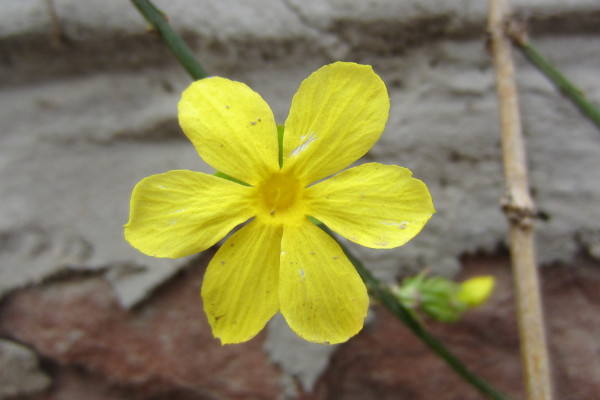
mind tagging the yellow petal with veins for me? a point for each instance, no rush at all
(240, 286)
(180, 213)
(232, 128)
(336, 116)
(374, 205)
(322, 297)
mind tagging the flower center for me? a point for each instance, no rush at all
(280, 199)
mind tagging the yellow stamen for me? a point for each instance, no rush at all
(279, 198)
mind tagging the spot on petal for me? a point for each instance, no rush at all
(304, 142)
(400, 225)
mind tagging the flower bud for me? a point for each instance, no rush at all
(475, 291)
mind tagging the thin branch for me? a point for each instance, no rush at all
(175, 43)
(572, 92)
(520, 210)
(58, 36)
(384, 296)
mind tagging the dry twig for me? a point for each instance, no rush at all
(520, 211)
(58, 36)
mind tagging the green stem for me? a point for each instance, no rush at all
(385, 297)
(560, 81)
(175, 43)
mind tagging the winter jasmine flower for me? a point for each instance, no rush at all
(280, 260)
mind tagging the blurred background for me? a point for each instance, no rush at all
(88, 107)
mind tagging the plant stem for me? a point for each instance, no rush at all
(520, 211)
(175, 43)
(572, 92)
(58, 36)
(385, 297)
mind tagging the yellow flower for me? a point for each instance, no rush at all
(475, 291)
(280, 260)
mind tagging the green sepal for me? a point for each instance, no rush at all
(280, 130)
(434, 296)
(314, 220)
(220, 174)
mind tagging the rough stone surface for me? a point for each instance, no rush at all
(163, 348)
(19, 374)
(387, 362)
(86, 117)
(160, 349)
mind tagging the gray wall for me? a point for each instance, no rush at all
(84, 119)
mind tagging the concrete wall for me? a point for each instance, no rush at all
(88, 113)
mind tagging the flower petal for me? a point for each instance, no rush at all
(179, 213)
(240, 285)
(322, 296)
(232, 128)
(336, 116)
(375, 205)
